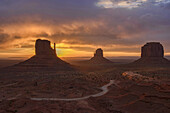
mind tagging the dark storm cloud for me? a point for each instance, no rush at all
(64, 10)
(147, 22)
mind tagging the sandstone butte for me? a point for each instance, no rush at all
(45, 58)
(99, 58)
(152, 53)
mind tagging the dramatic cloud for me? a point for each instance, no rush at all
(115, 25)
(129, 3)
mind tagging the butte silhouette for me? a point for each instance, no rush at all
(99, 58)
(45, 59)
(152, 54)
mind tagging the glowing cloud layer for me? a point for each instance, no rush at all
(119, 27)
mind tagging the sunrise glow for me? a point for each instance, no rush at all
(120, 28)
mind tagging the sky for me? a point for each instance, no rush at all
(79, 27)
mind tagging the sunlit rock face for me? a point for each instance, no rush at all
(152, 49)
(98, 58)
(152, 54)
(43, 47)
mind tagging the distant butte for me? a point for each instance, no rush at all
(99, 58)
(152, 53)
(45, 58)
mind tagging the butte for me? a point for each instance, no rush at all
(99, 58)
(45, 59)
(152, 54)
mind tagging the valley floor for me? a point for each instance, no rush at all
(140, 90)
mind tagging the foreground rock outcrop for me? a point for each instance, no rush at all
(45, 59)
(152, 53)
(98, 58)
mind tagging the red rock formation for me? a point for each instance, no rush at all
(152, 53)
(152, 49)
(98, 58)
(99, 53)
(44, 59)
(43, 47)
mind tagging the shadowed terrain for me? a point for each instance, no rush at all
(132, 94)
(119, 88)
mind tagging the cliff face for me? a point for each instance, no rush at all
(153, 49)
(43, 47)
(152, 54)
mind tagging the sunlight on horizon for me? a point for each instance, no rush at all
(64, 50)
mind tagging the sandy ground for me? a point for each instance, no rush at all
(138, 91)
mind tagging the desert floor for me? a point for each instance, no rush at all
(137, 90)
